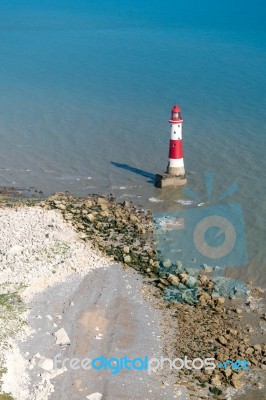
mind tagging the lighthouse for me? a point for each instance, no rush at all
(175, 172)
(176, 161)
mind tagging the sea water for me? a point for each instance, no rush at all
(86, 89)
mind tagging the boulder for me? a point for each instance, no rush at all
(62, 337)
(68, 216)
(191, 281)
(183, 277)
(90, 217)
(220, 300)
(167, 263)
(61, 206)
(102, 201)
(127, 259)
(221, 339)
(46, 363)
(174, 280)
(249, 351)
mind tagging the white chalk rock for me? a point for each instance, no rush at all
(62, 337)
(46, 363)
(95, 396)
(15, 250)
(56, 372)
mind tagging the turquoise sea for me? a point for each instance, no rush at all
(86, 89)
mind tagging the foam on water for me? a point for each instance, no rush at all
(155, 200)
(185, 202)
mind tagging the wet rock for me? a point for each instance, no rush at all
(164, 281)
(167, 263)
(181, 287)
(173, 279)
(183, 278)
(206, 268)
(102, 201)
(191, 281)
(188, 296)
(161, 286)
(203, 280)
(179, 266)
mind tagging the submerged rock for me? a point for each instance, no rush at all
(191, 281)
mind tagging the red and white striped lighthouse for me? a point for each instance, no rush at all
(176, 161)
(175, 173)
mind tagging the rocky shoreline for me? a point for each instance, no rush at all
(205, 325)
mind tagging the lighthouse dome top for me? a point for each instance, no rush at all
(176, 109)
(176, 115)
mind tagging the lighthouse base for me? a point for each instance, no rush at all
(167, 180)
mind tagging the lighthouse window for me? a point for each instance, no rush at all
(178, 126)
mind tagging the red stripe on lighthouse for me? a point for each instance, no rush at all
(176, 149)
